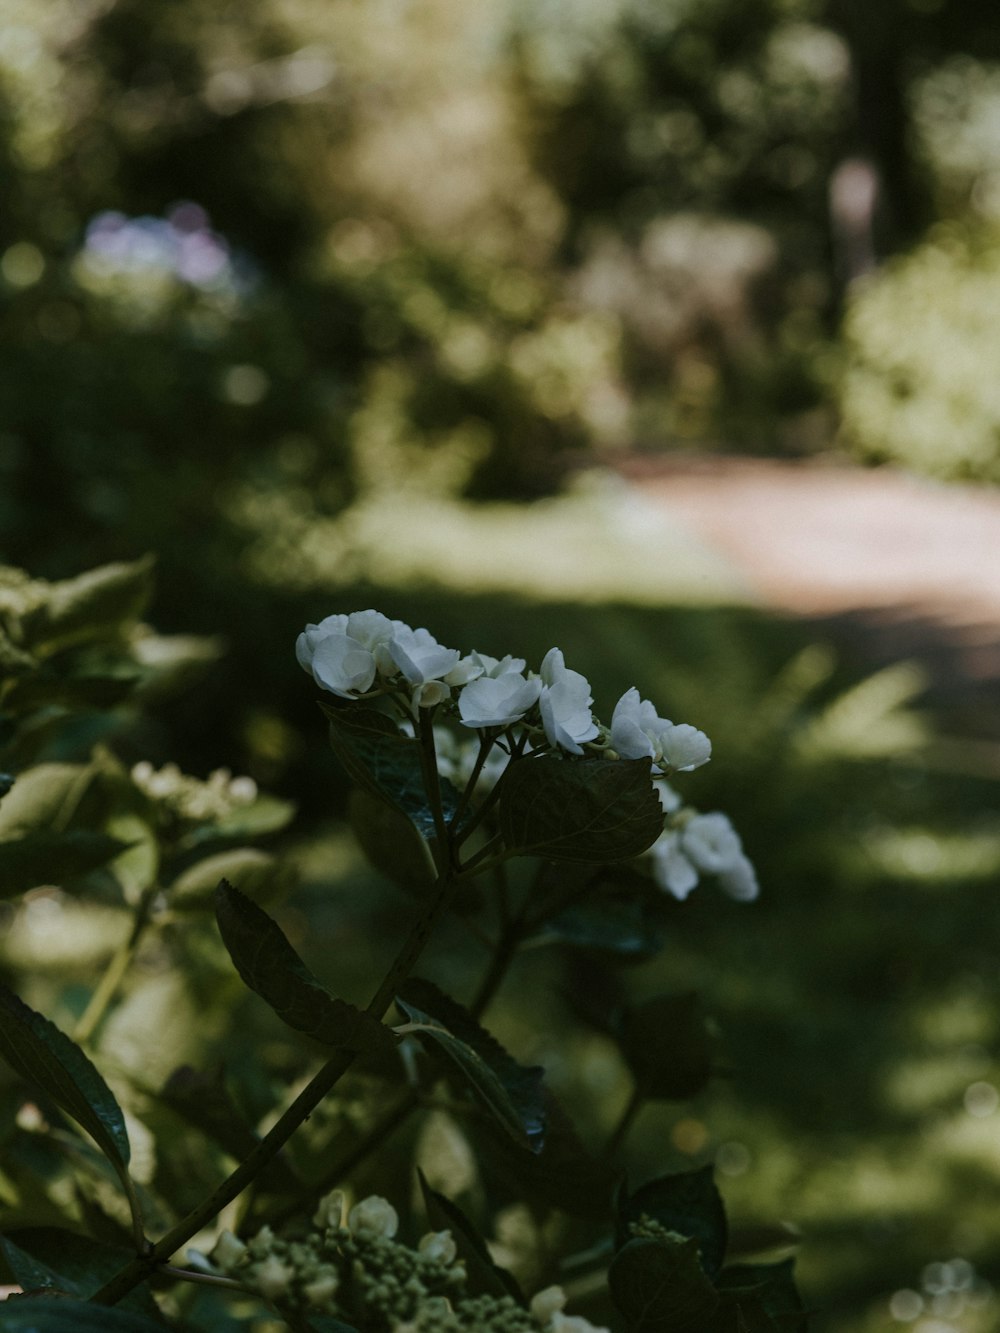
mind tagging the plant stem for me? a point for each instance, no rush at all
(432, 787)
(120, 962)
(487, 737)
(624, 1123)
(345, 1164)
(279, 1134)
(500, 962)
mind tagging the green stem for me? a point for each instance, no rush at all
(115, 971)
(346, 1163)
(497, 970)
(432, 786)
(483, 855)
(486, 738)
(295, 1115)
(516, 752)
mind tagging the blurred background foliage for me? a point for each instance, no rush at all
(332, 305)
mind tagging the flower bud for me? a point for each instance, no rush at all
(373, 1217)
(271, 1277)
(227, 1251)
(439, 1246)
(329, 1212)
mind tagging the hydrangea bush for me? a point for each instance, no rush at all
(462, 762)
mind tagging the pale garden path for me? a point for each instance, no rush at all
(902, 567)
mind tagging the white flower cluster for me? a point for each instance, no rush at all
(189, 798)
(693, 845)
(366, 654)
(358, 1270)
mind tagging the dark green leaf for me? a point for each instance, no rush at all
(390, 841)
(51, 1257)
(53, 858)
(46, 1058)
(773, 1287)
(687, 1204)
(740, 1315)
(563, 1175)
(579, 810)
(385, 763)
(270, 966)
(621, 924)
(512, 1092)
(56, 1314)
(667, 1045)
(485, 1277)
(659, 1287)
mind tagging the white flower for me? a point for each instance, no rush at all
(684, 747)
(565, 704)
(271, 1277)
(497, 701)
(740, 880)
(374, 1217)
(227, 1251)
(430, 693)
(669, 800)
(439, 1246)
(329, 1211)
(547, 1311)
(321, 1290)
(574, 1323)
(711, 842)
(419, 656)
(545, 1304)
(340, 651)
(672, 870)
(638, 732)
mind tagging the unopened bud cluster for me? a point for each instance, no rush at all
(190, 800)
(357, 1271)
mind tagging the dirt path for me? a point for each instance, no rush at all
(905, 567)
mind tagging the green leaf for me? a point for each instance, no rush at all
(47, 1059)
(563, 1175)
(385, 763)
(686, 1203)
(267, 814)
(659, 1287)
(623, 922)
(57, 1314)
(484, 1276)
(772, 1287)
(53, 858)
(390, 841)
(579, 810)
(51, 1257)
(511, 1092)
(90, 604)
(260, 876)
(667, 1045)
(45, 797)
(270, 966)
